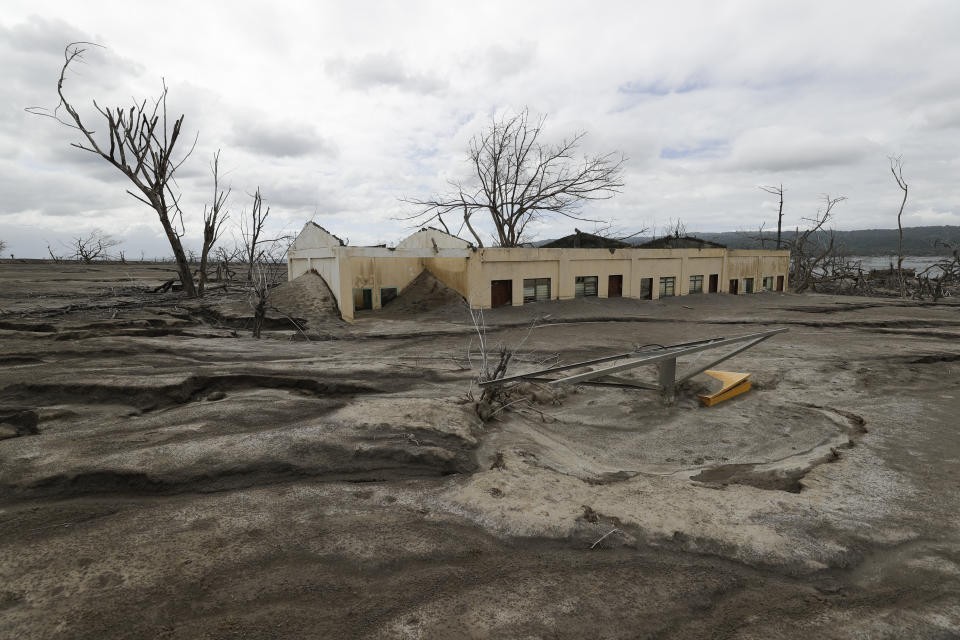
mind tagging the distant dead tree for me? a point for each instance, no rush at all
(95, 245)
(518, 180)
(214, 217)
(759, 237)
(225, 258)
(896, 168)
(607, 229)
(777, 191)
(812, 248)
(56, 259)
(675, 229)
(251, 228)
(3, 245)
(140, 143)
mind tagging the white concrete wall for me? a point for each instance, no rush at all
(470, 271)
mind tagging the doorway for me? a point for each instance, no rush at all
(714, 285)
(735, 286)
(614, 286)
(501, 293)
(362, 299)
(779, 283)
(646, 288)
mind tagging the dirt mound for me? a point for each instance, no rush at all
(307, 297)
(425, 293)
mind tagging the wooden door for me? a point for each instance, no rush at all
(614, 286)
(779, 283)
(501, 293)
(714, 283)
(734, 286)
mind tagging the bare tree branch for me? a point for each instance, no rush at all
(251, 227)
(518, 180)
(896, 168)
(777, 191)
(140, 144)
(95, 245)
(213, 219)
(813, 247)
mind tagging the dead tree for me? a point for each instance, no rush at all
(896, 168)
(259, 295)
(213, 218)
(94, 246)
(517, 180)
(3, 245)
(759, 237)
(265, 276)
(251, 228)
(56, 259)
(675, 229)
(140, 143)
(811, 249)
(224, 260)
(777, 191)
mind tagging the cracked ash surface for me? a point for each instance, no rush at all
(164, 475)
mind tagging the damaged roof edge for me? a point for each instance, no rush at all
(333, 235)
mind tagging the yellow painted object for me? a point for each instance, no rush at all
(733, 385)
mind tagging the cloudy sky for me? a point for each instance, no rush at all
(336, 110)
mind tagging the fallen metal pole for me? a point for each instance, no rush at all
(670, 355)
(586, 363)
(665, 359)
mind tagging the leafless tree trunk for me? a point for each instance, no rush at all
(519, 180)
(56, 259)
(759, 237)
(260, 293)
(264, 277)
(777, 191)
(213, 218)
(140, 145)
(896, 168)
(251, 229)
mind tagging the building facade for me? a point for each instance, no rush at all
(366, 277)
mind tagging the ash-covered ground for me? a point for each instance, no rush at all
(163, 474)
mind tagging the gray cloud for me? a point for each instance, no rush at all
(382, 70)
(356, 108)
(281, 140)
(776, 149)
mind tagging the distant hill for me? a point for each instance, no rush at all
(917, 241)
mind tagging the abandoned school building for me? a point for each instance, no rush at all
(576, 266)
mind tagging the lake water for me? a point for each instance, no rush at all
(909, 262)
